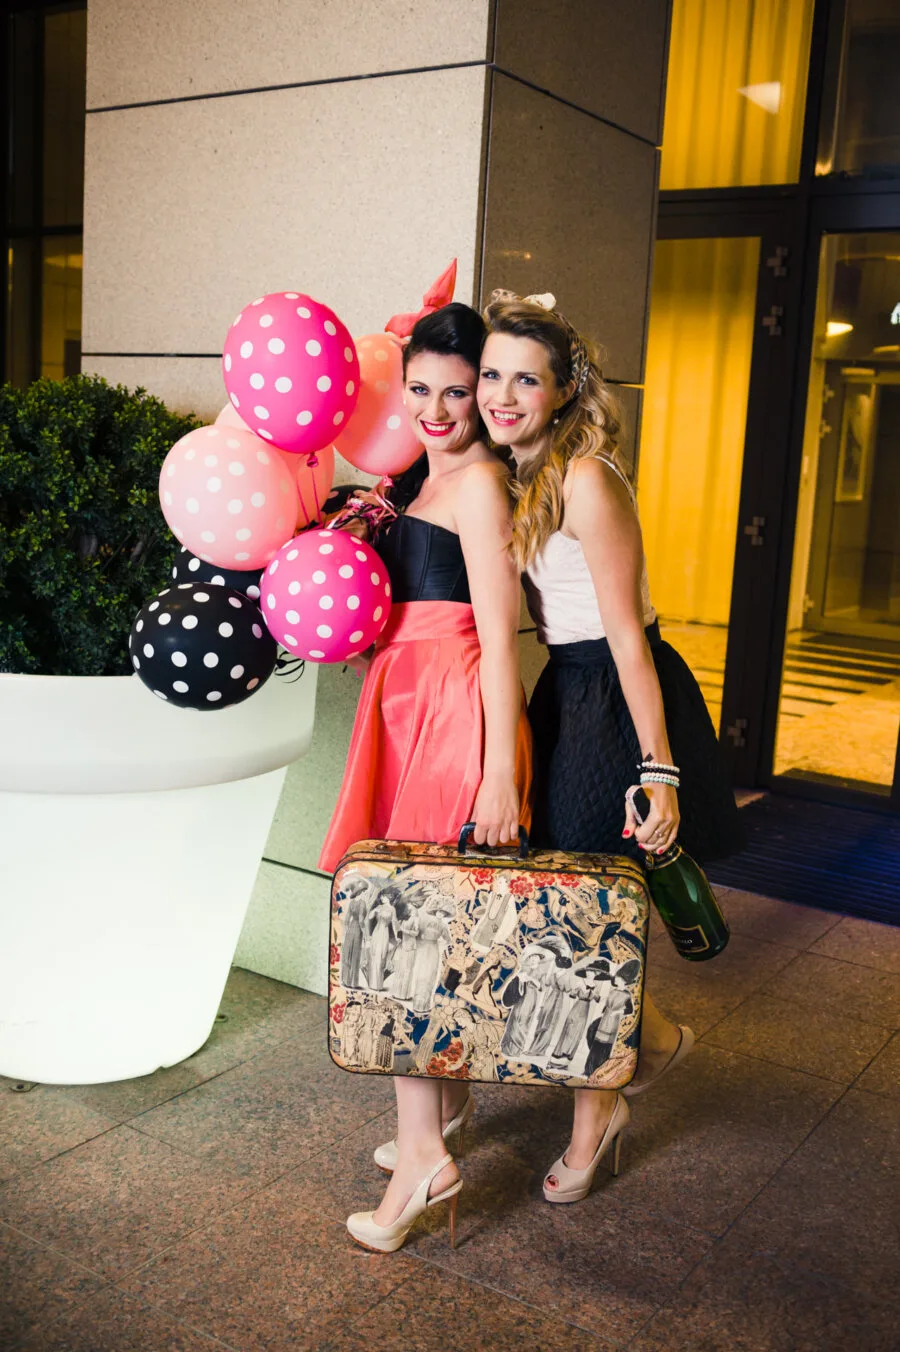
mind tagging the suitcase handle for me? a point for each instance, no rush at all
(506, 851)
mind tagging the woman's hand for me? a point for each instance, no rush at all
(496, 810)
(659, 830)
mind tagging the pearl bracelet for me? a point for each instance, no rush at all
(652, 765)
(651, 778)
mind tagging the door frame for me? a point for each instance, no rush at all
(772, 220)
(874, 211)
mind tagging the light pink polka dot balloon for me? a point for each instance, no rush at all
(326, 596)
(228, 497)
(312, 474)
(291, 371)
(379, 440)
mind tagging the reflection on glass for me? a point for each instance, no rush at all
(61, 307)
(860, 131)
(839, 711)
(692, 441)
(19, 310)
(65, 66)
(736, 92)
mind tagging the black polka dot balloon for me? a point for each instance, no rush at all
(201, 646)
(188, 568)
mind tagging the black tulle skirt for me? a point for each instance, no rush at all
(586, 754)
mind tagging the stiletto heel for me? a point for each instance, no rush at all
(385, 1156)
(388, 1238)
(685, 1046)
(616, 1151)
(452, 1218)
(575, 1184)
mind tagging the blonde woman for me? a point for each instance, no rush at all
(615, 703)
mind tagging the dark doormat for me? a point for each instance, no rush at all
(837, 858)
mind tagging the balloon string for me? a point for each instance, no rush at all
(315, 489)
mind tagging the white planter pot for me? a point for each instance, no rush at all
(130, 836)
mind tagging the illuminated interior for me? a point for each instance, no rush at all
(692, 440)
(736, 92)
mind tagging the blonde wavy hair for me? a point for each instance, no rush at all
(587, 427)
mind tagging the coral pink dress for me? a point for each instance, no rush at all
(417, 750)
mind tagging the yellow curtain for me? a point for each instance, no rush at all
(736, 92)
(694, 416)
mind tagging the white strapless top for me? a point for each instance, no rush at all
(560, 592)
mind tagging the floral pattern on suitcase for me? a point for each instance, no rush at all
(487, 969)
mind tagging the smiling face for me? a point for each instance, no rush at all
(517, 390)
(439, 393)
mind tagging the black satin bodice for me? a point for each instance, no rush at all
(424, 561)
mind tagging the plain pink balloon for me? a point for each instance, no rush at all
(378, 439)
(228, 497)
(291, 371)
(229, 417)
(325, 596)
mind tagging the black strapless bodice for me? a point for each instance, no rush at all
(424, 561)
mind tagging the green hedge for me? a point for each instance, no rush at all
(83, 542)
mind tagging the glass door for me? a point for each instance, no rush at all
(839, 698)
(699, 356)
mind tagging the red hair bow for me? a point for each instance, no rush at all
(439, 295)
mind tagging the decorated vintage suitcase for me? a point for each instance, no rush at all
(522, 970)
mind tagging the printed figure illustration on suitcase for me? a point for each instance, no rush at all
(459, 966)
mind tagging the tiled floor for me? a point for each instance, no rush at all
(202, 1207)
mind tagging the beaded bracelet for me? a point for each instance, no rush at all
(648, 777)
(653, 765)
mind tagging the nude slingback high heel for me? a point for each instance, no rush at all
(389, 1238)
(385, 1156)
(575, 1184)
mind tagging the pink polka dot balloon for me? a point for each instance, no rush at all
(228, 497)
(379, 439)
(326, 596)
(291, 371)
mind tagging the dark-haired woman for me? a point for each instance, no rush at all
(440, 736)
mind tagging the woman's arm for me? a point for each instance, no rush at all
(600, 515)
(484, 522)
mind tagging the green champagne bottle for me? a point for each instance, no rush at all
(687, 904)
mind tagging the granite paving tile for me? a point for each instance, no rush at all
(829, 985)
(265, 1116)
(791, 1035)
(701, 993)
(434, 1309)
(37, 1125)
(864, 942)
(116, 1322)
(36, 1285)
(834, 1208)
(112, 1203)
(268, 1275)
(778, 922)
(742, 1300)
(705, 1141)
(591, 1264)
(260, 1014)
(883, 1075)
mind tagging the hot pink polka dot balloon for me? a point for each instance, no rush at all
(228, 497)
(379, 439)
(326, 596)
(291, 371)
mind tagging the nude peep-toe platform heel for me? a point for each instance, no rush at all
(389, 1238)
(385, 1156)
(575, 1184)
